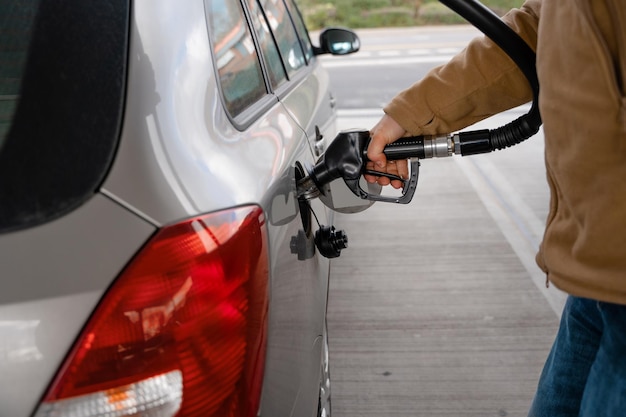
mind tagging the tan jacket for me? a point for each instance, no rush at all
(581, 65)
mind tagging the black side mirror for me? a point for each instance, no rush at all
(338, 41)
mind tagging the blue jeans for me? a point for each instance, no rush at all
(585, 373)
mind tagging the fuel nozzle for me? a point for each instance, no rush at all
(346, 158)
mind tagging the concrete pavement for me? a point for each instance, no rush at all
(437, 308)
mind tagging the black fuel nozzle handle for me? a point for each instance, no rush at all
(346, 158)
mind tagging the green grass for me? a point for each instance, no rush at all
(387, 13)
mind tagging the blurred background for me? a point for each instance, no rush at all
(387, 13)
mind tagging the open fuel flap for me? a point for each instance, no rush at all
(327, 239)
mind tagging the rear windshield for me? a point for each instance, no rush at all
(62, 82)
(16, 24)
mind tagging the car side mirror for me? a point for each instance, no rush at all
(338, 41)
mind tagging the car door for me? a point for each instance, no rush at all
(310, 104)
(313, 104)
(299, 275)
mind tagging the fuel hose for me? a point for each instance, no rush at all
(517, 49)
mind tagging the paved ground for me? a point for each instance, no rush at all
(436, 308)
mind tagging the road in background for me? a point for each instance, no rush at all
(437, 307)
(391, 60)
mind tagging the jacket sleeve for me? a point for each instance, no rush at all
(477, 83)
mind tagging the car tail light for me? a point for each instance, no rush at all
(182, 330)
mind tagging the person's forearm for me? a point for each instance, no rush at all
(477, 83)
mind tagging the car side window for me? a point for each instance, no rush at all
(285, 35)
(238, 65)
(303, 34)
(273, 63)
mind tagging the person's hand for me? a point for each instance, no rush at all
(383, 133)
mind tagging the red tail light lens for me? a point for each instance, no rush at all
(181, 332)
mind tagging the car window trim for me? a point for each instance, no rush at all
(282, 91)
(307, 57)
(300, 74)
(247, 117)
(257, 43)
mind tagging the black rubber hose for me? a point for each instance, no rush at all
(524, 57)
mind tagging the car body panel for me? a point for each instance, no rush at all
(50, 286)
(314, 93)
(181, 155)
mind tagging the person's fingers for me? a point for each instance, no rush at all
(392, 167)
(375, 151)
(383, 133)
(401, 169)
(371, 178)
(375, 178)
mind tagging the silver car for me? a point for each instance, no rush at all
(154, 258)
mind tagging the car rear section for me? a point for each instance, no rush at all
(61, 242)
(154, 258)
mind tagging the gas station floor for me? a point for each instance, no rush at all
(436, 308)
